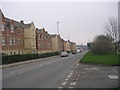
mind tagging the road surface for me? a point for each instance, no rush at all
(41, 74)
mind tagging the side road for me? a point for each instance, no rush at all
(25, 62)
(91, 76)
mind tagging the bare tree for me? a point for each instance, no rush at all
(112, 29)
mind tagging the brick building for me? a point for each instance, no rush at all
(20, 38)
(12, 36)
(43, 41)
(57, 43)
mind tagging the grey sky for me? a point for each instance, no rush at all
(82, 20)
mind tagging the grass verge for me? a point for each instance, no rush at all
(109, 59)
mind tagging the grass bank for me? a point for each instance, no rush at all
(109, 59)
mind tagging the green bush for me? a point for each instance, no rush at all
(68, 51)
(102, 45)
(25, 57)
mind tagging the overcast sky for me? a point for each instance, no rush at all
(82, 20)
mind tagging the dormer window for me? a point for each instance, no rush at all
(3, 27)
(12, 28)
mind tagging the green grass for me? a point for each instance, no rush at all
(109, 59)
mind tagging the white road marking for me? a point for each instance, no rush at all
(66, 79)
(70, 87)
(60, 87)
(76, 65)
(73, 83)
(113, 76)
(69, 75)
(95, 68)
(85, 68)
(63, 83)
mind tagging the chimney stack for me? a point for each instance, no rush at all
(22, 21)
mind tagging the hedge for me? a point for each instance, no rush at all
(25, 57)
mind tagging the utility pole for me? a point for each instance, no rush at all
(68, 37)
(58, 28)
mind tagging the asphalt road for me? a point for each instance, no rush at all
(41, 74)
(91, 76)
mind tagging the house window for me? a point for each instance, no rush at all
(14, 41)
(10, 41)
(33, 45)
(38, 37)
(21, 42)
(3, 27)
(18, 42)
(3, 41)
(18, 31)
(41, 37)
(12, 28)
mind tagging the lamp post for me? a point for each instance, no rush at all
(58, 28)
(59, 46)
(69, 37)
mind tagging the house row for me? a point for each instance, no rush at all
(20, 38)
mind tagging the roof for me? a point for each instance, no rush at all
(39, 30)
(53, 35)
(18, 24)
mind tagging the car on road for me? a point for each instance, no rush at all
(74, 52)
(64, 54)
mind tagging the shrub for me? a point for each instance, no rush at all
(25, 57)
(103, 45)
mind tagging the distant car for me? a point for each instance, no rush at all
(74, 52)
(64, 54)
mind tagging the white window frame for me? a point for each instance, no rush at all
(12, 28)
(21, 42)
(3, 41)
(10, 41)
(3, 27)
(14, 41)
(18, 42)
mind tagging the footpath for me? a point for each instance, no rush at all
(25, 62)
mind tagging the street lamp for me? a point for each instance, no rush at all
(58, 28)
(68, 37)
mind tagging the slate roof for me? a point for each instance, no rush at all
(17, 24)
(53, 35)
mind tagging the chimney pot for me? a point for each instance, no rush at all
(22, 21)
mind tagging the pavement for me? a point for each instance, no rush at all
(39, 74)
(91, 76)
(24, 62)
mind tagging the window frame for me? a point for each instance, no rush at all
(3, 27)
(12, 28)
(3, 39)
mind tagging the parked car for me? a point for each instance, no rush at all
(64, 54)
(74, 52)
